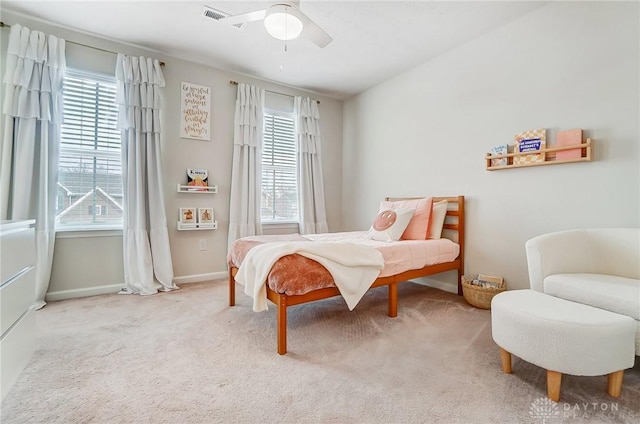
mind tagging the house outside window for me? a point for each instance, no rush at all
(279, 197)
(90, 192)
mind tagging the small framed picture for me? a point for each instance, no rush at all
(188, 215)
(205, 215)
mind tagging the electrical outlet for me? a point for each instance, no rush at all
(203, 244)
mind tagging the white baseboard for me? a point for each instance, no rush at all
(198, 278)
(451, 288)
(84, 292)
(115, 288)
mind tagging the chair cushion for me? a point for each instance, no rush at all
(608, 292)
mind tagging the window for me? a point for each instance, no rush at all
(279, 199)
(97, 210)
(89, 174)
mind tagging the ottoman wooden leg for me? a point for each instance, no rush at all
(554, 381)
(505, 358)
(614, 383)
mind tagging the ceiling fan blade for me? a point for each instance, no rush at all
(256, 15)
(313, 32)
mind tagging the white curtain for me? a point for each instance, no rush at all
(313, 215)
(246, 171)
(33, 111)
(147, 255)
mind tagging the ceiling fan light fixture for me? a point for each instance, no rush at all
(282, 23)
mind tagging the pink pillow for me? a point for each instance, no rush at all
(419, 224)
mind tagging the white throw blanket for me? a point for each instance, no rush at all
(353, 267)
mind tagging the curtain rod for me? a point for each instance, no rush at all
(274, 92)
(3, 25)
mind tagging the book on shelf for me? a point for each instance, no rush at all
(569, 138)
(187, 215)
(530, 141)
(197, 179)
(205, 215)
(501, 149)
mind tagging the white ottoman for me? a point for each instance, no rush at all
(562, 337)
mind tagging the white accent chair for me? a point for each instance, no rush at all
(597, 267)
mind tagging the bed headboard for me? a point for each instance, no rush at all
(455, 215)
(454, 223)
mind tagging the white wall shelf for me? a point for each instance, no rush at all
(181, 188)
(196, 226)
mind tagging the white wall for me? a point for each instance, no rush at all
(216, 155)
(426, 132)
(565, 65)
(88, 264)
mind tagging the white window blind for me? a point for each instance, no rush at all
(279, 200)
(90, 173)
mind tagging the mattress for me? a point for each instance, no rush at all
(297, 275)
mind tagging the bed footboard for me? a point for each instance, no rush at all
(283, 301)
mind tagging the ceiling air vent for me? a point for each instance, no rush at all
(211, 13)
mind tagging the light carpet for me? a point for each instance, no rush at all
(187, 357)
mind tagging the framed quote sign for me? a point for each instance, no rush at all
(195, 111)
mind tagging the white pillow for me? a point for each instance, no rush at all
(438, 214)
(390, 224)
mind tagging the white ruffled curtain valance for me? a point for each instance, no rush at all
(248, 120)
(244, 207)
(33, 111)
(34, 71)
(139, 81)
(147, 255)
(308, 116)
(313, 215)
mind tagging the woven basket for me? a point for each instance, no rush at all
(480, 297)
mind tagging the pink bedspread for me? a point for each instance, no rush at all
(297, 275)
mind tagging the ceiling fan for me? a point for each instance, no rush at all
(284, 21)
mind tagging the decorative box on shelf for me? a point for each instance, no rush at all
(550, 156)
(197, 226)
(182, 188)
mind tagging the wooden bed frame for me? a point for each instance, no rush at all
(282, 301)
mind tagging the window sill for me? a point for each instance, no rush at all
(280, 227)
(80, 232)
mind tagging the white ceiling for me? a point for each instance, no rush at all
(372, 40)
